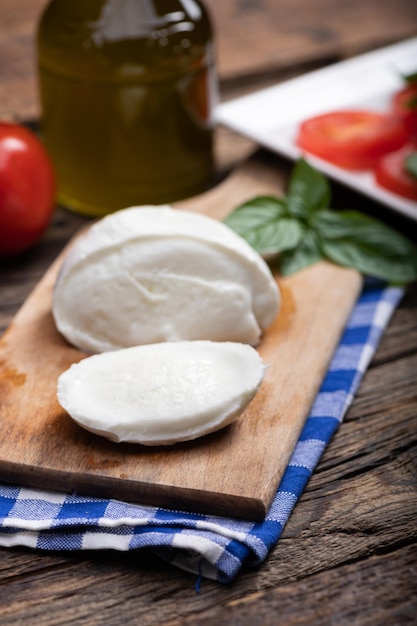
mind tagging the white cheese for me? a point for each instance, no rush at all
(162, 393)
(153, 274)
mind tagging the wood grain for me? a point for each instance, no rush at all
(41, 446)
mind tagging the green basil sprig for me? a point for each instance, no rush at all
(300, 229)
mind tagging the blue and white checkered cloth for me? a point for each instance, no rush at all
(212, 547)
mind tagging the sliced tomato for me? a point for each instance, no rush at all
(353, 139)
(404, 104)
(391, 174)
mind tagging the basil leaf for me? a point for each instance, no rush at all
(306, 253)
(262, 222)
(275, 237)
(331, 224)
(411, 164)
(364, 259)
(352, 239)
(304, 230)
(287, 235)
(308, 191)
(335, 225)
(255, 214)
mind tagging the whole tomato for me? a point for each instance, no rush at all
(27, 189)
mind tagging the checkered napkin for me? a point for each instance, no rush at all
(212, 547)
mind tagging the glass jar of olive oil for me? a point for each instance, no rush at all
(127, 91)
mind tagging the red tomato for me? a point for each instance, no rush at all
(391, 174)
(352, 139)
(27, 189)
(404, 104)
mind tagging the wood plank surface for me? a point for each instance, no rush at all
(40, 446)
(348, 554)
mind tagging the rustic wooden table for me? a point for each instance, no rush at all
(348, 553)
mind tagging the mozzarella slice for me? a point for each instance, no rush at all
(162, 393)
(152, 274)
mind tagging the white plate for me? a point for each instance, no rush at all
(271, 116)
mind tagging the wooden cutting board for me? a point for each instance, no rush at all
(233, 472)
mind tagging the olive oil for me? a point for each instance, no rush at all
(127, 91)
